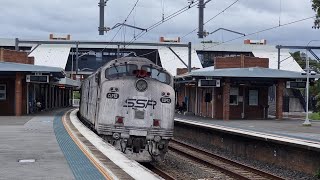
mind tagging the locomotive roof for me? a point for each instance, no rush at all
(135, 60)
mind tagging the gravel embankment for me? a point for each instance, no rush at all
(180, 167)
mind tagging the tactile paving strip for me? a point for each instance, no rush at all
(80, 165)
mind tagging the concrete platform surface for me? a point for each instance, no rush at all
(115, 164)
(292, 128)
(27, 138)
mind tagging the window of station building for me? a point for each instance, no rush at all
(234, 93)
(99, 56)
(253, 98)
(3, 92)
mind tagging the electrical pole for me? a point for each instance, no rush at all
(101, 28)
(201, 7)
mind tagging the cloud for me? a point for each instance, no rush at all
(80, 18)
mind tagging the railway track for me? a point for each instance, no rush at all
(158, 171)
(229, 167)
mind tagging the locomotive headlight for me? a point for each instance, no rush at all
(141, 85)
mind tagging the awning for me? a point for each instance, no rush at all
(18, 67)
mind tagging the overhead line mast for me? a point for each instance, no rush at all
(101, 28)
(201, 7)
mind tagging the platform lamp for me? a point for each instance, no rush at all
(307, 121)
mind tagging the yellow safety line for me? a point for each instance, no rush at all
(93, 161)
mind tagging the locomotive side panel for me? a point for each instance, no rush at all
(92, 100)
(84, 99)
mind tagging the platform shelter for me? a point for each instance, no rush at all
(235, 88)
(26, 88)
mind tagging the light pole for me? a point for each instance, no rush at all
(307, 121)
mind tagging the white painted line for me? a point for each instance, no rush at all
(133, 168)
(27, 161)
(253, 133)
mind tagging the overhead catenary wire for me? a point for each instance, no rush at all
(212, 18)
(134, 6)
(126, 19)
(253, 33)
(264, 30)
(180, 11)
(147, 53)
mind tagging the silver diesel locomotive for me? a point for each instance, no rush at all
(130, 103)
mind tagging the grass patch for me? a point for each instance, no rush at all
(315, 116)
(317, 175)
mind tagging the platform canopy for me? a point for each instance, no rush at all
(253, 72)
(18, 67)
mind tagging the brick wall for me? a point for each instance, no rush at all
(279, 99)
(250, 112)
(15, 56)
(241, 62)
(226, 100)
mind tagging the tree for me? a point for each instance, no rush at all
(314, 90)
(316, 8)
(314, 65)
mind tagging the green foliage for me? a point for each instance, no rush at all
(314, 116)
(76, 95)
(296, 56)
(318, 174)
(316, 7)
(318, 102)
(313, 64)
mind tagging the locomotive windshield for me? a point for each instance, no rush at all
(120, 71)
(157, 74)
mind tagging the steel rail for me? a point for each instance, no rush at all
(158, 171)
(225, 165)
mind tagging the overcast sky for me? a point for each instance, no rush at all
(37, 18)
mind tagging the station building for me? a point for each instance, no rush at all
(235, 88)
(26, 88)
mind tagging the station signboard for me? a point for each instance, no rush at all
(37, 78)
(295, 84)
(209, 83)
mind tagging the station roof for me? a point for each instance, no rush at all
(261, 51)
(57, 56)
(51, 55)
(253, 72)
(18, 67)
(171, 62)
(69, 82)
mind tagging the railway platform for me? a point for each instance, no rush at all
(55, 145)
(289, 127)
(285, 143)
